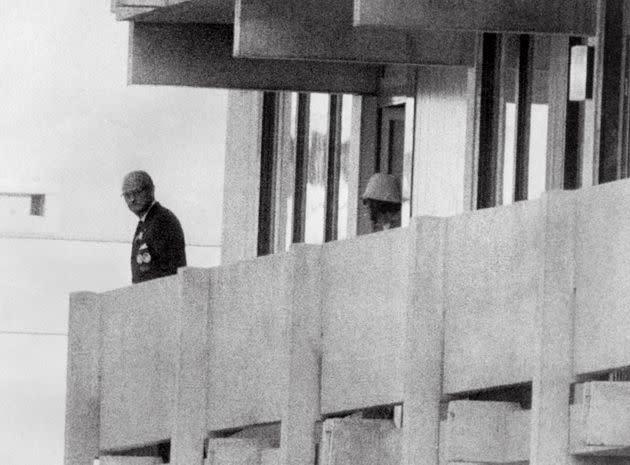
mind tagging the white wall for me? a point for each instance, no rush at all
(71, 128)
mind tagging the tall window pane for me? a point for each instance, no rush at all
(317, 155)
(539, 115)
(344, 161)
(510, 91)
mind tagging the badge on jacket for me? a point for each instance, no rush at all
(143, 256)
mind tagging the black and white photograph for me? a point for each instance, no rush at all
(315, 232)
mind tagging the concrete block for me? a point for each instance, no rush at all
(600, 419)
(235, 451)
(368, 442)
(488, 432)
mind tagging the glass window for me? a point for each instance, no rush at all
(513, 134)
(317, 156)
(314, 131)
(344, 167)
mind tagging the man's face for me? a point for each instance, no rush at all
(137, 195)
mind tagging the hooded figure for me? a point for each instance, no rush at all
(383, 198)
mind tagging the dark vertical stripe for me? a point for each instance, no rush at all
(301, 167)
(611, 91)
(267, 155)
(334, 161)
(525, 78)
(488, 123)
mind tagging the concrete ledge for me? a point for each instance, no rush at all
(486, 432)
(232, 451)
(600, 419)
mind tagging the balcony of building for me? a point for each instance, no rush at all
(496, 336)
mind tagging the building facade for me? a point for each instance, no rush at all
(490, 328)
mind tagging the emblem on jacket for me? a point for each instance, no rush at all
(143, 257)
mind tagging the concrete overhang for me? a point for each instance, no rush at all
(323, 30)
(200, 55)
(575, 17)
(175, 11)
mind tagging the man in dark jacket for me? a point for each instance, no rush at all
(158, 247)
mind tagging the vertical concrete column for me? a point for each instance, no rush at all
(242, 176)
(302, 405)
(83, 379)
(424, 342)
(553, 373)
(189, 429)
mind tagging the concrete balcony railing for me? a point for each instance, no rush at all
(250, 358)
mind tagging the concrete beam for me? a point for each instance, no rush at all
(200, 55)
(553, 370)
(189, 422)
(577, 17)
(322, 30)
(424, 343)
(83, 393)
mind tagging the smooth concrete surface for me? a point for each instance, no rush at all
(493, 269)
(576, 17)
(189, 421)
(140, 347)
(578, 447)
(83, 426)
(200, 55)
(247, 355)
(301, 403)
(605, 418)
(602, 300)
(229, 451)
(364, 298)
(350, 441)
(552, 345)
(423, 348)
(607, 413)
(486, 432)
(322, 30)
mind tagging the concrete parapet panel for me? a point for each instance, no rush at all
(600, 419)
(493, 270)
(233, 451)
(364, 299)
(247, 353)
(486, 432)
(358, 441)
(83, 379)
(602, 287)
(139, 363)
